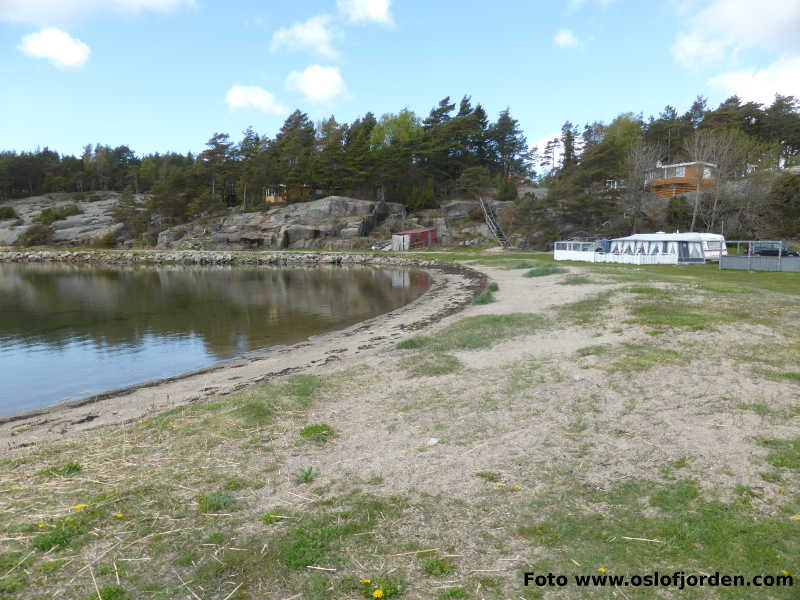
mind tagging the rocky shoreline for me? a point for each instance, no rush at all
(210, 257)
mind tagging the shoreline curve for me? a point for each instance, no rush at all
(452, 287)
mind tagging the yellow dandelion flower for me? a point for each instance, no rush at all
(365, 581)
(784, 572)
(517, 487)
(601, 570)
(796, 517)
(119, 516)
(377, 593)
(70, 521)
(41, 526)
(80, 506)
(501, 485)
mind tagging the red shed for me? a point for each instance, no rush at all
(413, 238)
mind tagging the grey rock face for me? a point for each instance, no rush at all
(316, 224)
(458, 209)
(78, 230)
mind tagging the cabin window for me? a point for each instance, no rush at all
(680, 172)
(707, 173)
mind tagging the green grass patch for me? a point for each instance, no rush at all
(489, 476)
(65, 470)
(544, 270)
(70, 531)
(485, 297)
(271, 518)
(320, 538)
(592, 351)
(234, 484)
(638, 357)
(437, 567)
(785, 454)
(11, 583)
(215, 502)
(431, 364)
(108, 592)
(577, 280)
(319, 434)
(586, 311)
(523, 265)
(452, 594)
(481, 331)
(307, 474)
(647, 290)
(793, 376)
(707, 277)
(260, 404)
(390, 586)
(676, 314)
(697, 533)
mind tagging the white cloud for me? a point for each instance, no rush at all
(314, 34)
(56, 46)
(317, 83)
(761, 85)
(566, 39)
(357, 11)
(252, 96)
(48, 11)
(694, 50)
(720, 27)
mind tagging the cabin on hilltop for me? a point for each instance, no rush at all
(676, 179)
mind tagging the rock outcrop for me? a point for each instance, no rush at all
(335, 223)
(76, 230)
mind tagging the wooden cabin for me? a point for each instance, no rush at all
(677, 179)
(288, 194)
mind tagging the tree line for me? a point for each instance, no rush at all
(595, 175)
(398, 157)
(599, 184)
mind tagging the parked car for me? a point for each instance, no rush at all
(774, 252)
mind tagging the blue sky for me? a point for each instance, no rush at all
(162, 75)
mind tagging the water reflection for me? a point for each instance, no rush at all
(68, 330)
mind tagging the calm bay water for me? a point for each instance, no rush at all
(69, 331)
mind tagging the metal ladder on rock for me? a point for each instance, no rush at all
(491, 222)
